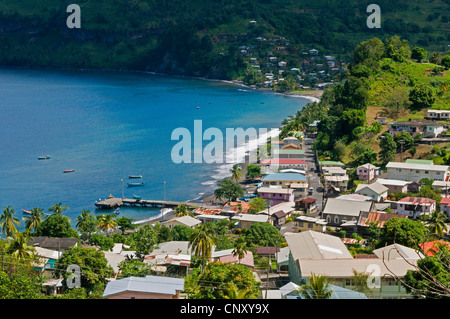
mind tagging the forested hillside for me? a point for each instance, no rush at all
(202, 38)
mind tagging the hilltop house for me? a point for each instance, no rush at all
(367, 172)
(438, 114)
(424, 127)
(413, 207)
(415, 172)
(376, 191)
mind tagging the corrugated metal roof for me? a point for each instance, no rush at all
(148, 284)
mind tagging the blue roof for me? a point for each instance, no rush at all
(285, 177)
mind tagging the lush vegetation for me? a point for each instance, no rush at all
(202, 38)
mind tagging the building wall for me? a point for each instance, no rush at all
(140, 295)
(406, 174)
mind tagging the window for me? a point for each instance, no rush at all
(426, 172)
(336, 220)
(300, 224)
(348, 282)
(310, 225)
(328, 219)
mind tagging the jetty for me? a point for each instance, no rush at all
(115, 202)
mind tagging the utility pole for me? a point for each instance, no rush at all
(2, 258)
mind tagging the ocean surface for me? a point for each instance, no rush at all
(109, 125)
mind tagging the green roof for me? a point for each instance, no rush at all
(290, 152)
(418, 161)
(336, 163)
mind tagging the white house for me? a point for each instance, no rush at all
(415, 172)
(438, 114)
(376, 191)
(424, 127)
(413, 207)
(366, 172)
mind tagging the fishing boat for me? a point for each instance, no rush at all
(135, 184)
(69, 171)
(135, 176)
(26, 211)
(44, 157)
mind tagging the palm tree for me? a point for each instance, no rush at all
(436, 223)
(240, 248)
(316, 288)
(182, 210)
(236, 172)
(18, 247)
(106, 222)
(8, 221)
(202, 241)
(58, 209)
(33, 221)
(233, 292)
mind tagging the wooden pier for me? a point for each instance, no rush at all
(118, 202)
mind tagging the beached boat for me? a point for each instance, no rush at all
(44, 157)
(69, 171)
(135, 176)
(135, 184)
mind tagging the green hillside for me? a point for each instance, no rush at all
(202, 38)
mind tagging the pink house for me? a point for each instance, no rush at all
(366, 172)
(413, 207)
(445, 206)
(276, 195)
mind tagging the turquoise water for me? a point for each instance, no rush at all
(108, 125)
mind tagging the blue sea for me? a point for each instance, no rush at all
(109, 125)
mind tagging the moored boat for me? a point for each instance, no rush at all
(26, 211)
(135, 176)
(44, 157)
(69, 171)
(135, 184)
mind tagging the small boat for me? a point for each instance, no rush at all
(135, 176)
(26, 211)
(135, 184)
(69, 171)
(44, 157)
(136, 197)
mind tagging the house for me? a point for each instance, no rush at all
(227, 256)
(235, 207)
(245, 221)
(174, 254)
(445, 206)
(313, 52)
(307, 205)
(284, 163)
(296, 181)
(339, 211)
(291, 146)
(288, 153)
(336, 293)
(276, 195)
(438, 114)
(365, 218)
(415, 172)
(148, 287)
(282, 258)
(444, 187)
(47, 259)
(187, 221)
(333, 191)
(53, 243)
(279, 218)
(269, 252)
(413, 207)
(394, 185)
(336, 176)
(324, 164)
(357, 197)
(305, 223)
(431, 247)
(366, 172)
(378, 192)
(326, 255)
(291, 139)
(425, 127)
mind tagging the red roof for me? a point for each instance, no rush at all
(445, 200)
(282, 161)
(380, 218)
(307, 200)
(417, 200)
(430, 248)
